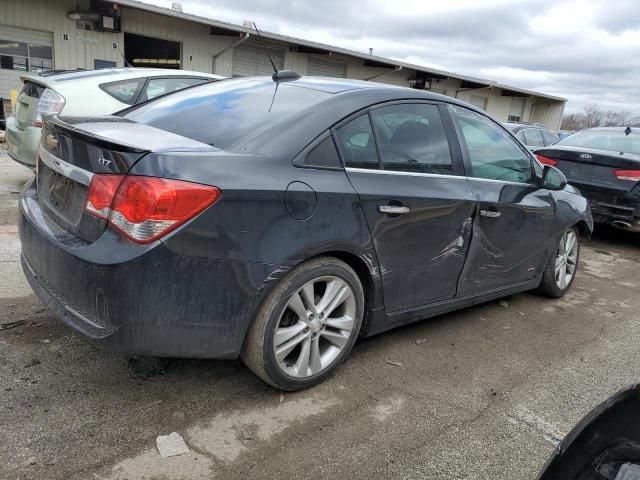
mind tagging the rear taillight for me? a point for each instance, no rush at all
(546, 161)
(631, 175)
(100, 196)
(147, 208)
(50, 103)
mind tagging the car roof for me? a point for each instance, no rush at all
(614, 129)
(114, 74)
(516, 127)
(331, 84)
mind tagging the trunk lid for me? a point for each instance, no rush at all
(73, 150)
(593, 169)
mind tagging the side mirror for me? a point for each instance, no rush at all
(553, 179)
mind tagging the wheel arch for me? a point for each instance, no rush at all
(584, 229)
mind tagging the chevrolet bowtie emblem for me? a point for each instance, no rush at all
(52, 143)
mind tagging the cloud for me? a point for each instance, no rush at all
(585, 50)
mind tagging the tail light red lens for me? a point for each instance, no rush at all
(546, 161)
(631, 175)
(147, 208)
(101, 192)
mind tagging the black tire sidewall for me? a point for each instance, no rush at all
(298, 279)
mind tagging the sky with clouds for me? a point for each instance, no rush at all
(586, 51)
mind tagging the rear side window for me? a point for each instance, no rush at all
(323, 155)
(223, 113)
(125, 91)
(412, 138)
(33, 90)
(161, 86)
(357, 144)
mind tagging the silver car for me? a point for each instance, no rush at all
(86, 93)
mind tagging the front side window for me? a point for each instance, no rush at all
(533, 137)
(357, 144)
(162, 86)
(412, 138)
(492, 152)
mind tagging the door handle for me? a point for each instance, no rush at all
(392, 209)
(490, 213)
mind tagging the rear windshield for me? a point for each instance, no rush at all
(614, 140)
(222, 113)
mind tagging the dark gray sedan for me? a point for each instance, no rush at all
(279, 220)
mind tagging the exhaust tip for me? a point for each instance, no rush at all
(621, 224)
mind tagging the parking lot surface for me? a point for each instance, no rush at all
(483, 393)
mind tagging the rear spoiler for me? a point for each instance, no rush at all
(117, 133)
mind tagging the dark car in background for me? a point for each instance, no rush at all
(604, 164)
(3, 116)
(533, 135)
(280, 220)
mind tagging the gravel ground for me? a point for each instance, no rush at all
(484, 393)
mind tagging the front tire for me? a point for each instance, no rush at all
(306, 326)
(561, 270)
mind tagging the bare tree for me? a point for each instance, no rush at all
(592, 116)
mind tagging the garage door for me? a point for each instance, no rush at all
(325, 66)
(21, 51)
(249, 59)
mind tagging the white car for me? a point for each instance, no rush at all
(86, 93)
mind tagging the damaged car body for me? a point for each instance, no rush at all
(279, 221)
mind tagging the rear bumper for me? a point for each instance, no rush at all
(22, 145)
(140, 300)
(614, 207)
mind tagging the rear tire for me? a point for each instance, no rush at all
(306, 326)
(560, 272)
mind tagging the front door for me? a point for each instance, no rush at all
(417, 203)
(513, 223)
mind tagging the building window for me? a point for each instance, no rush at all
(478, 101)
(516, 110)
(25, 57)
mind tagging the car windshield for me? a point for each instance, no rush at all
(222, 113)
(613, 140)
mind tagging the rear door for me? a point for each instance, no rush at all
(514, 219)
(417, 203)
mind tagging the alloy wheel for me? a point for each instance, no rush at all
(566, 259)
(314, 327)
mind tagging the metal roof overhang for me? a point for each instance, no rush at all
(226, 28)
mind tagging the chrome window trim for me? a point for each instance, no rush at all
(67, 169)
(434, 175)
(406, 174)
